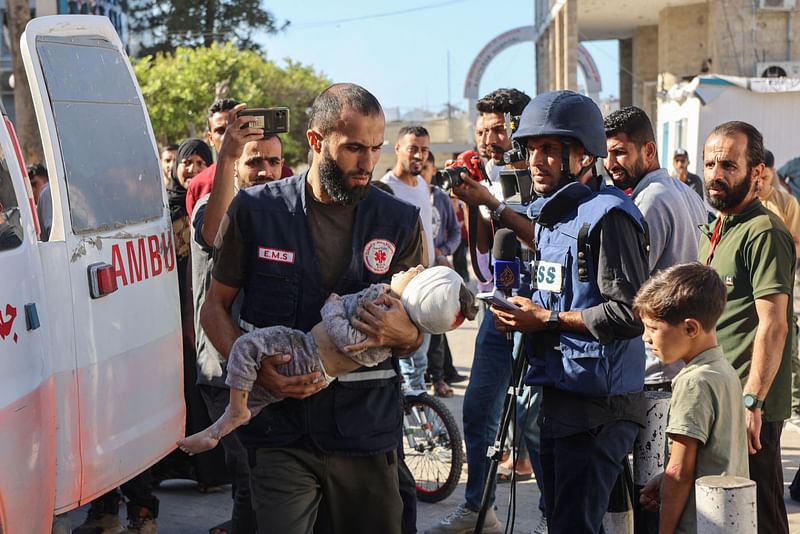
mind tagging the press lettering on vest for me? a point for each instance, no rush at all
(378, 255)
(275, 254)
(549, 276)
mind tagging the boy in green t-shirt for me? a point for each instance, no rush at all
(680, 308)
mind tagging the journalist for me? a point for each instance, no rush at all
(582, 340)
(491, 367)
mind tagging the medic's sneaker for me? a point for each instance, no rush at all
(462, 521)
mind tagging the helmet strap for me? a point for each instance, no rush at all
(566, 177)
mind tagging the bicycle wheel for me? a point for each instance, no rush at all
(433, 447)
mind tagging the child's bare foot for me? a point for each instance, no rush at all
(207, 439)
(196, 443)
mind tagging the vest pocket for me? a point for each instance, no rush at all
(361, 411)
(273, 300)
(584, 366)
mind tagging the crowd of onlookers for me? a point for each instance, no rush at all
(679, 284)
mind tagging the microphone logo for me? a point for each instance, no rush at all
(506, 277)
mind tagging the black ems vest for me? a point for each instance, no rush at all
(360, 412)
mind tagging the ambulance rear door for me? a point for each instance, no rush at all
(27, 400)
(110, 212)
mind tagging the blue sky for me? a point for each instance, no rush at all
(399, 51)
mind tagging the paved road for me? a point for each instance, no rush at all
(185, 511)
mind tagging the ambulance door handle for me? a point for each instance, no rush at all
(31, 316)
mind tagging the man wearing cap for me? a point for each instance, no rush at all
(680, 160)
(584, 344)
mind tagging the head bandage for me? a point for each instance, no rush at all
(432, 302)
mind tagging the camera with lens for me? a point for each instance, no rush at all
(517, 187)
(448, 178)
(516, 154)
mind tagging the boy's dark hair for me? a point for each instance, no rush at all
(170, 148)
(689, 290)
(326, 111)
(503, 101)
(417, 131)
(633, 122)
(755, 141)
(37, 169)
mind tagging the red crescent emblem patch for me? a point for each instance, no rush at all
(378, 255)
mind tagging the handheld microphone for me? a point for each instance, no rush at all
(506, 264)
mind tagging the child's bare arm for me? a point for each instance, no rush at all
(677, 481)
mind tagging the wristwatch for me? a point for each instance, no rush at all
(751, 402)
(498, 211)
(552, 322)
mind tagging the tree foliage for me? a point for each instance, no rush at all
(165, 25)
(179, 88)
(18, 13)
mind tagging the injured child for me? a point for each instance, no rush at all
(435, 299)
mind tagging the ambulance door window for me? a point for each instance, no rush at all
(111, 165)
(10, 223)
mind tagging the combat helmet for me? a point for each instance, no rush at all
(565, 114)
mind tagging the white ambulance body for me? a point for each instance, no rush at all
(90, 376)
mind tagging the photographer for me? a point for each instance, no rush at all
(583, 342)
(491, 369)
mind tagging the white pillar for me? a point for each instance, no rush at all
(650, 447)
(726, 505)
(618, 522)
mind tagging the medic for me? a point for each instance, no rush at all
(289, 245)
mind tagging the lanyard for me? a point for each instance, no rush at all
(715, 237)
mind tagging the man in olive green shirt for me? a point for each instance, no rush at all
(754, 254)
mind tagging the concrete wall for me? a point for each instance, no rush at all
(45, 7)
(683, 42)
(625, 72)
(645, 67)
(557, 48)
(734, 34)
(717, 36)
(740, 36)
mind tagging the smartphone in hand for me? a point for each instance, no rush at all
(496, 298)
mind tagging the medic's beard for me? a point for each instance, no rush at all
(334, 181)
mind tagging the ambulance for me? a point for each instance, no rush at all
(91, 386)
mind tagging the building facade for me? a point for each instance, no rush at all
(666, 42)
